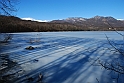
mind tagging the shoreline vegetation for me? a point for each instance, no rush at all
(11, 24)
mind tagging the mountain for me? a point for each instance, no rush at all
(80, 19)
(14, 24)
(97, 23)
(70, 20)
(94, 22)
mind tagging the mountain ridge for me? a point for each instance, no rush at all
(97, 23)
(94, 22)
(107, 18)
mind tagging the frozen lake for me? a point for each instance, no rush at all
(63, 57)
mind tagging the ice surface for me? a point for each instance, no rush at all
(63, 57)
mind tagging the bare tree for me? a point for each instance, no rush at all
(7, 7)
(116, 65)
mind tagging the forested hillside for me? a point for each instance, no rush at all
(15, 24)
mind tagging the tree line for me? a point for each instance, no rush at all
(15, 24)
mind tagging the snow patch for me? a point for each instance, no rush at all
(121, 19)
(32, 19)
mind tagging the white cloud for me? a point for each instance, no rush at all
(32, 19)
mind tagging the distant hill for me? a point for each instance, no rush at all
(97, 23)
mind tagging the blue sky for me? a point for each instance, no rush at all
(61, 9)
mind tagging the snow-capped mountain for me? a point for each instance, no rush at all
(99, 21)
